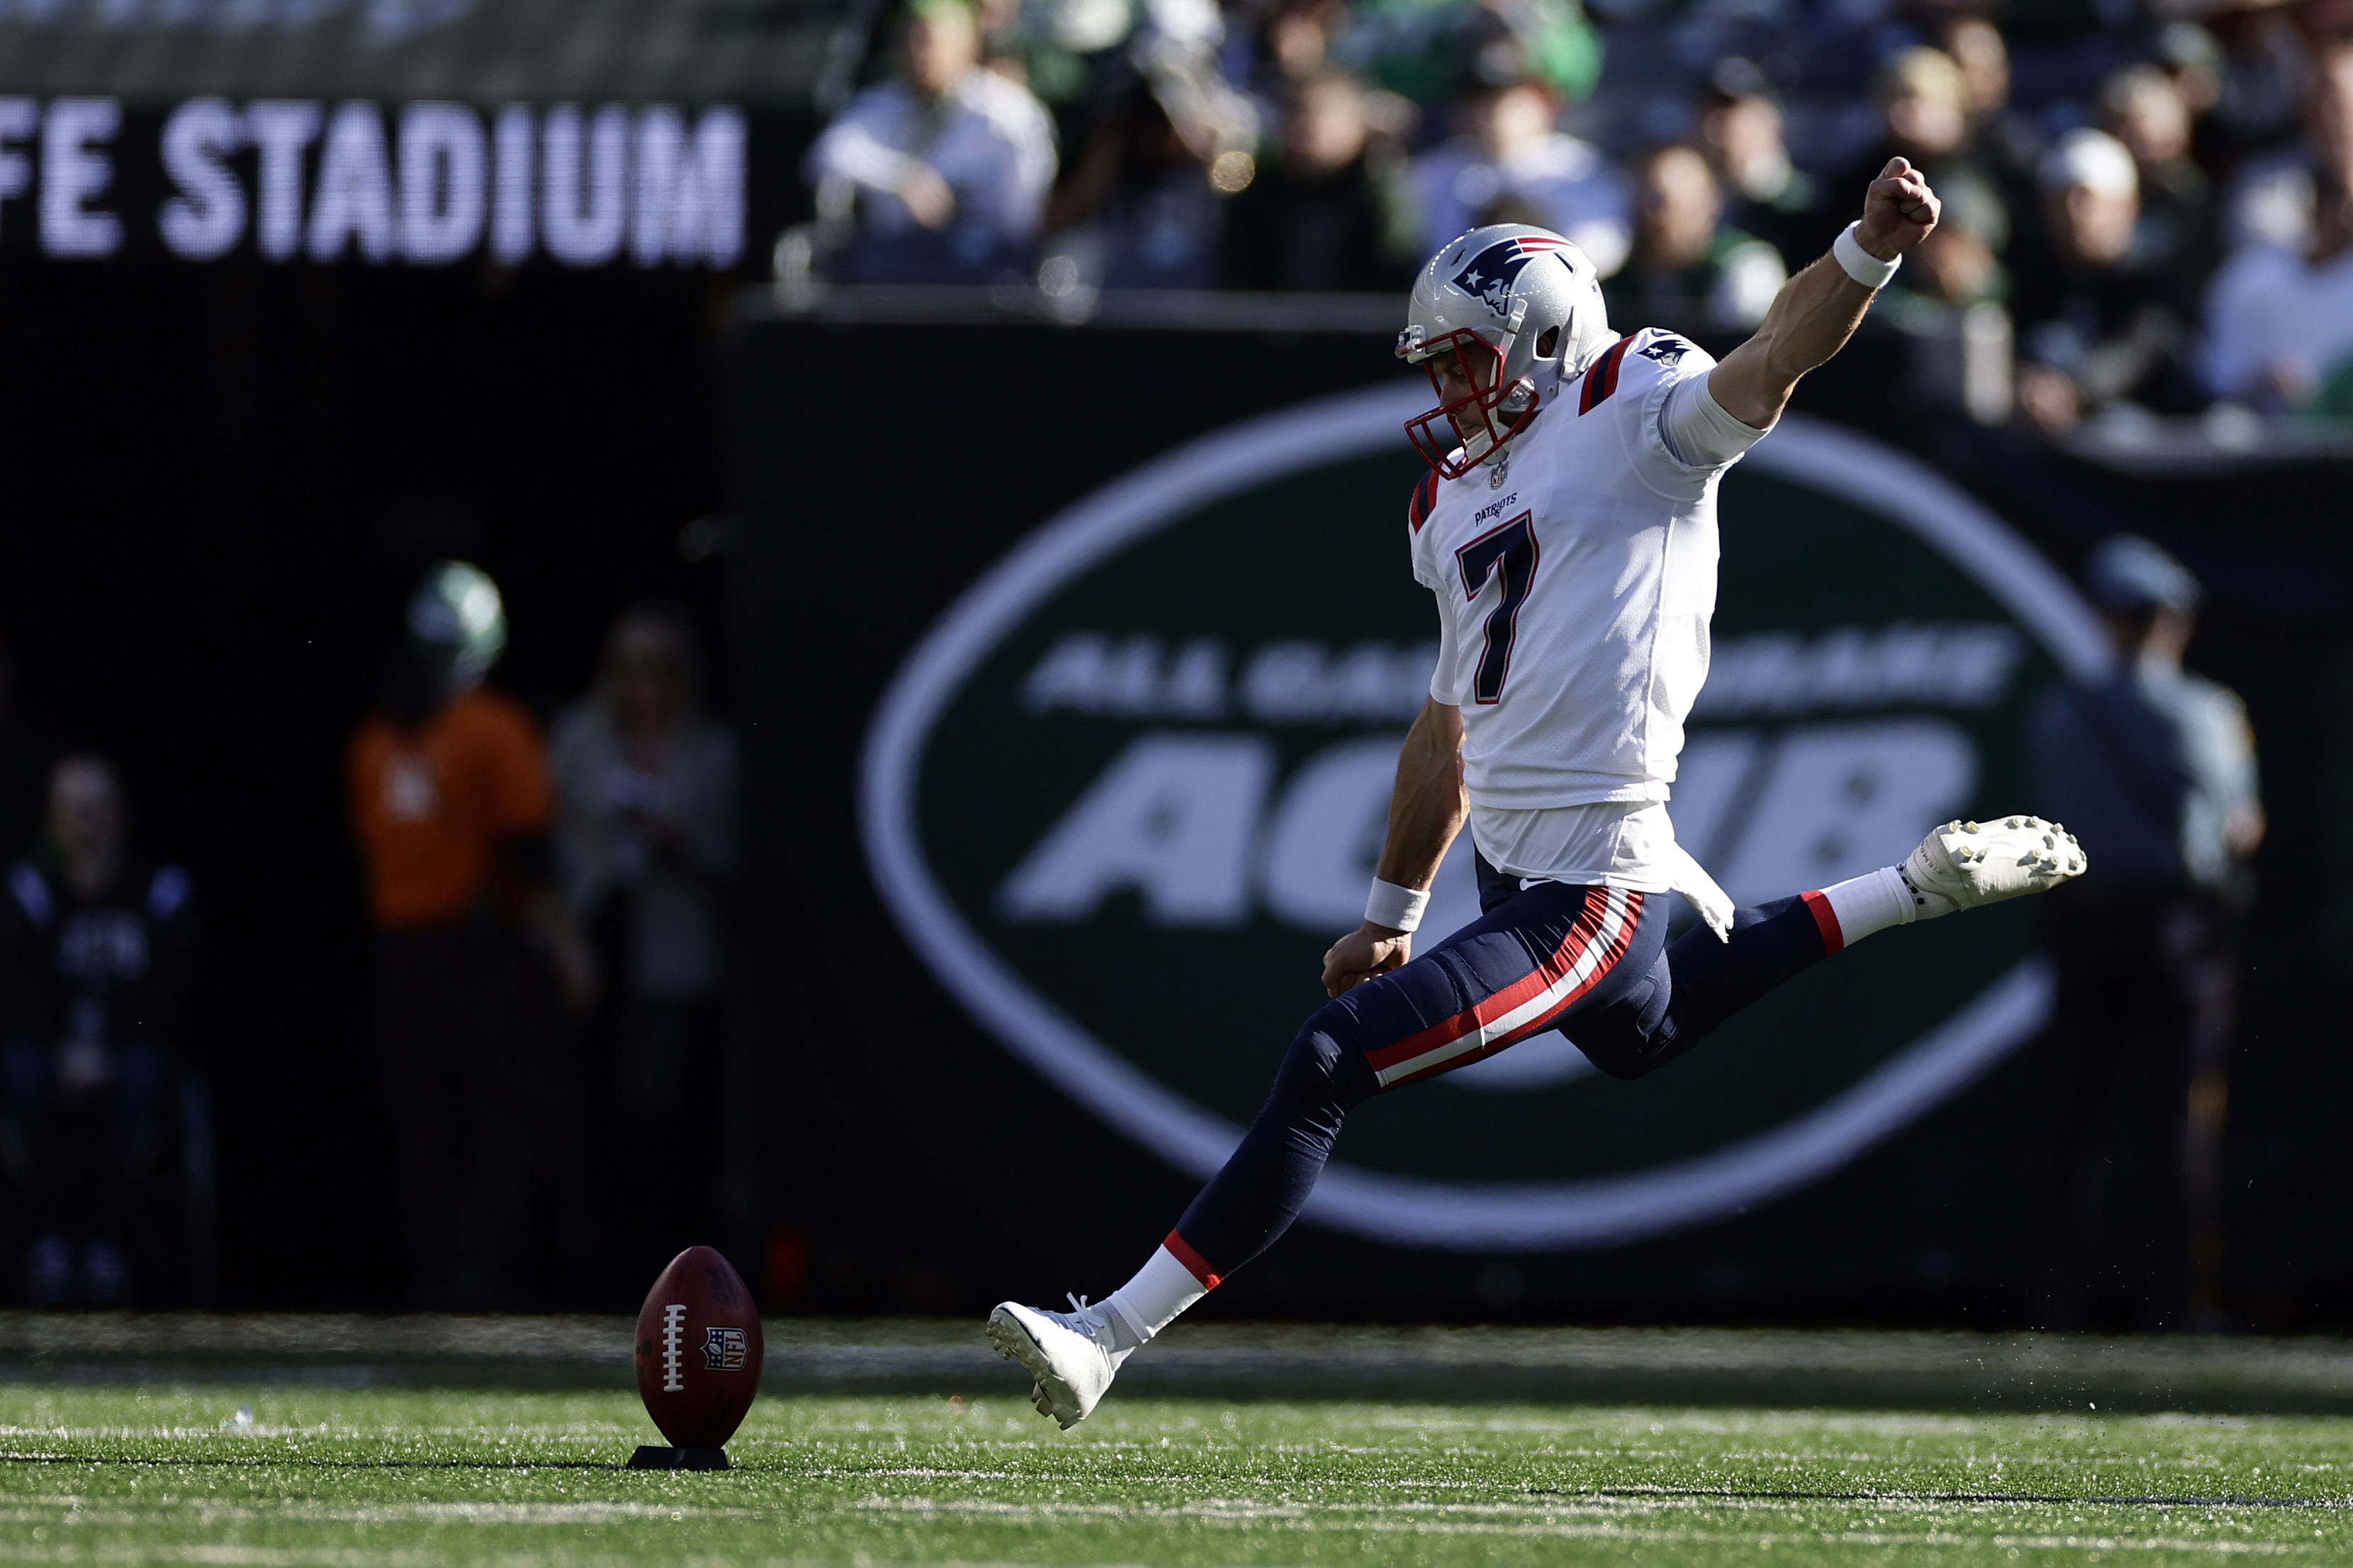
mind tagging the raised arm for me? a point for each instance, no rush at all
(1818, 310)
(1426, 811)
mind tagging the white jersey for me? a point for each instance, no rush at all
(1575, 582)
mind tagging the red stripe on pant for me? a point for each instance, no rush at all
(1826, 917)
(1572, 950)
(1607, 961)
(1182, 1251)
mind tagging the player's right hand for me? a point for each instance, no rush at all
(1367, 951)
(1899, 211)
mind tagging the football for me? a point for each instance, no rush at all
(699, 1350)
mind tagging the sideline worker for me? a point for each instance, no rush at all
(97, 962)
(452, 808)
(2155, 765)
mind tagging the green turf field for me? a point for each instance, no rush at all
(180, 1454)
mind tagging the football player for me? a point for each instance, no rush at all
(1567, 529)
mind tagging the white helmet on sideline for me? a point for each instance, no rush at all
(1522, 307)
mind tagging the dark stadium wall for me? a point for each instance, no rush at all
(903, 1130)
(222, 482)
(223, 479)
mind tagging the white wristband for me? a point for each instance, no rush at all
(1860, 264)
(1399, 908)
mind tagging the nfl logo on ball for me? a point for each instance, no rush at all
(723, 1350)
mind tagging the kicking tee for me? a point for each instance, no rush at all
(1575, 579)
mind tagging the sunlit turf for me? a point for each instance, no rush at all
(115, 1472)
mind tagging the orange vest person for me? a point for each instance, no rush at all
(450, 806)
(432, 805)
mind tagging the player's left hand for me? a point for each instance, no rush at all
(1899, 211)
(1367, 951)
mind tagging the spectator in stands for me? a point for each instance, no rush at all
(2156, 765)
(2272, 193)
(2143, 108)
(1688, 269)
(97, 956)
(2094, 325)
(1141, 209)
(1329, 213)
(1294, 42)
(2264, 76)
(1424, 49)
(1924, 113)
(2192, 62)
(1960, 263)
(646, 842)
(1072, 54)
(1740, 129)
(2005, 141)
(949, 164)
(451, 810)
(1975, 46)
(1508, 153)
(2279, 318)
(1144, 206)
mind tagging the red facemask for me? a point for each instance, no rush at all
(1483, 366)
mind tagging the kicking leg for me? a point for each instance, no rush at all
(1586, 960)
(1540, 953)
(1704, 980)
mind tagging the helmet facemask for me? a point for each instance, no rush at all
(1479, 424)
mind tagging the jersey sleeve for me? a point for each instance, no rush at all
(1416, 519)
(1699, 433)
(1664, 413)
(1442, 686)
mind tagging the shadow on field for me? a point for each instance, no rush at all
(303, 1462)
(1737, 1494)
(1765, 1369)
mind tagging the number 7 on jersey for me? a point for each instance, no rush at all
(1509, 551)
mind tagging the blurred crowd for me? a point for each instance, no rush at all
(550, 910)
(2148, 204)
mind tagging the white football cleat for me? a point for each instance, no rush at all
(1070, 1354)
(1965, 864)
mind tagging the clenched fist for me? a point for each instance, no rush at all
(1899, 211)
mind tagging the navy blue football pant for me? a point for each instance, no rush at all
(1592, 963)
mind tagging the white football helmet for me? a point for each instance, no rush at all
(1522, 308)
(457, 613)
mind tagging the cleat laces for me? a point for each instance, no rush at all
(1088, 1319)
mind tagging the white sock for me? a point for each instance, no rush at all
(1148, 1303)
(1864, 904)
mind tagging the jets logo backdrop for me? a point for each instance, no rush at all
(1132, 786)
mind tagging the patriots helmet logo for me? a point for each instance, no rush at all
(1490, 275)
